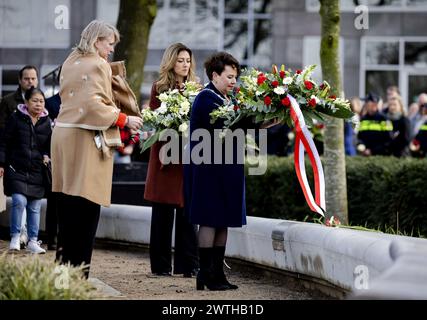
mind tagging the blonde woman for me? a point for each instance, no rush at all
(164, 183)
(87, 124)
(399, 145)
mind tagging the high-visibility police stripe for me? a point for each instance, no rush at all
(372, 125)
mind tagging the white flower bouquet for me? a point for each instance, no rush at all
(173, 113)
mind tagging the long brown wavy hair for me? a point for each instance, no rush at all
(167, 77)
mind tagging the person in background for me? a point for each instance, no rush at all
(392, 92)
(24, 150)
(419, 143)
(399, 145)
(375, 131)
(164, 184)
(416, 114)
(85, 133)
(27, 78)
(350, 133)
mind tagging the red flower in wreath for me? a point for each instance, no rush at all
(308, 85)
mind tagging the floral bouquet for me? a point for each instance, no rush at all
(173, 113)
(266, 96)
(294, 98)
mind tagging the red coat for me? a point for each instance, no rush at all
(164, 183)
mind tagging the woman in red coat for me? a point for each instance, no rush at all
(164, 183)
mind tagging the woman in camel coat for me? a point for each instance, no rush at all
(86, 131)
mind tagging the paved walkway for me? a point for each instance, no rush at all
(123, 272)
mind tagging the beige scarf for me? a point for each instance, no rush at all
(92, 97)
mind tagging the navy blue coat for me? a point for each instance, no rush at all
(214, 193)
(53, 104)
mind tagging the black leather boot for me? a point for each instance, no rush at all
(218, 264)
(205, 276)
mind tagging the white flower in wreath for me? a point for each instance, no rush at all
(162, 109)
(287, 80)
(183, 127)
(167, 121)
(185, 107)
(279, 90)
(163, 96)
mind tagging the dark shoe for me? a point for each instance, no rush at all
(218, 268)
(51, 246)
(206, 276)
(223, 280)
(207, 280)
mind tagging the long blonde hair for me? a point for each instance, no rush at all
(399, 101)
(96, 30)
(167, 77)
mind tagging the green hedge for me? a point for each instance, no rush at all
(383, 192)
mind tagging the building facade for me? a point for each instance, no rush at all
(381, 44)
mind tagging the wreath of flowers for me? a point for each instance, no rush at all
(266, 97)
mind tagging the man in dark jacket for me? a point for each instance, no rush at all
(28, 77)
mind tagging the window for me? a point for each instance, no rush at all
(400, 61)
(9, 75)
(247, 31)
(28, 24)
(311, 55)
(241, 27)
(192, 22)
(374, 5)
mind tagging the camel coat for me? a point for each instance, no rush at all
(79, 168)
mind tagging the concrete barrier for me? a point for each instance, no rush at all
(368, 265)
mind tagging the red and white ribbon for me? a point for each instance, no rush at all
(304, 141)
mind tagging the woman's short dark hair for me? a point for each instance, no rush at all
(32, 91)
(218, 61)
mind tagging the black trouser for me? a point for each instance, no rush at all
(51, 217)
(78, 220)
(185, 257)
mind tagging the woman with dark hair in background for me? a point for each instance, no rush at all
(24, 150)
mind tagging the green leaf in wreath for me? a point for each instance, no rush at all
(150, 141)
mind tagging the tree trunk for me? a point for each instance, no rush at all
(134, 24)
(334, 156)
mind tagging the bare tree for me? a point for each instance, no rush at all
(334, 157)
(134, 23)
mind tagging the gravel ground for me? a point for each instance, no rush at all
(127, 270)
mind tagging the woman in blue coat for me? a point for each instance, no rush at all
(214, 192)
